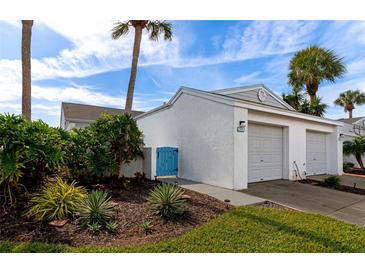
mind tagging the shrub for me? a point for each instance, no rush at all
(332, 181)
(56, 201)
(355, 147)
(101, 148)
(77, 154)
(146, 227)
(348, 166)
(112, 226)
(28, 152)
(139, 178)
(166, 200)
(94, 227)
(96, 209)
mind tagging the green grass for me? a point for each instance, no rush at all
(243, 229)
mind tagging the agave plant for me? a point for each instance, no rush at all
(112, 226)
(146, 227)
(96, 209)
(94, 227)
(166, 200)
(56, 201)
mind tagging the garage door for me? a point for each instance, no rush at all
(316, 153)
(265, 153)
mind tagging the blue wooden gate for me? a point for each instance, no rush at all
(167, 161)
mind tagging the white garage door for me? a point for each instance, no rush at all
(316, 153)
(265, 153)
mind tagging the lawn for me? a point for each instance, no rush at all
(243, 229)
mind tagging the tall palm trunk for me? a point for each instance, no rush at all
(349, 108)
(359, 160)
(26, 69)
(132, 79)
(312, 89)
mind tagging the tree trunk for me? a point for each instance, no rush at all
(26, 69)
(349, 107)
(359, 160)
(132, 79)
(350, 113)
(312, 89)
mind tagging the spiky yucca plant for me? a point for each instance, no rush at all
(96, 209)
(56, 201)
(166, 200)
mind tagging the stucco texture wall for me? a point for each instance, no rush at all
(203, 132)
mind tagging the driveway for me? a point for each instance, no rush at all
(341, 205)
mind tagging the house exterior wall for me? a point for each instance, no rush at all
(203, 132)
(349, 135)
(213, 151)
(69, 125)
(251, 95)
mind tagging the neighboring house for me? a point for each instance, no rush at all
(80, 115)
(233, 137)
(352, 128)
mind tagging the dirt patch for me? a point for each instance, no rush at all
(133, 210)
(355, 170)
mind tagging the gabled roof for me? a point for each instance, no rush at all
(242, 89)
(355, 120)
(81, 112)
(228, 100)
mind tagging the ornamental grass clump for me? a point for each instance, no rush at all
(96, 209)
(166, 200)
(332, 181)
(57, 201)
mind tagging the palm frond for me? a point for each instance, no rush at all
(120, 29)
(313, 65)
(350, 98)
(156, 28)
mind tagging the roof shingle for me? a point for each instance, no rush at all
(73, 111)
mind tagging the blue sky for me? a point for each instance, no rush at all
(77, 61)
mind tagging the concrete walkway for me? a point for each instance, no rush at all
(341, 205)
(346, 179)
(237, 198)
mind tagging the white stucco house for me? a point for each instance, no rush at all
(353, 127)
(233, 137)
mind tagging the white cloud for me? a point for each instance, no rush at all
(248, 78)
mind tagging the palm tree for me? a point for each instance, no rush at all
(315, 107)
(349, 99)
(310, 66)
(355, 147)
(294, 99)
(26, 69)
(155, 29)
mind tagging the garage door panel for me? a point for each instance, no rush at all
(316, 153)
(265, 153)
(255, 145)
(255, 159)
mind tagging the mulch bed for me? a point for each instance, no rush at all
(133, 210)
(344, 188)
(355, 170)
